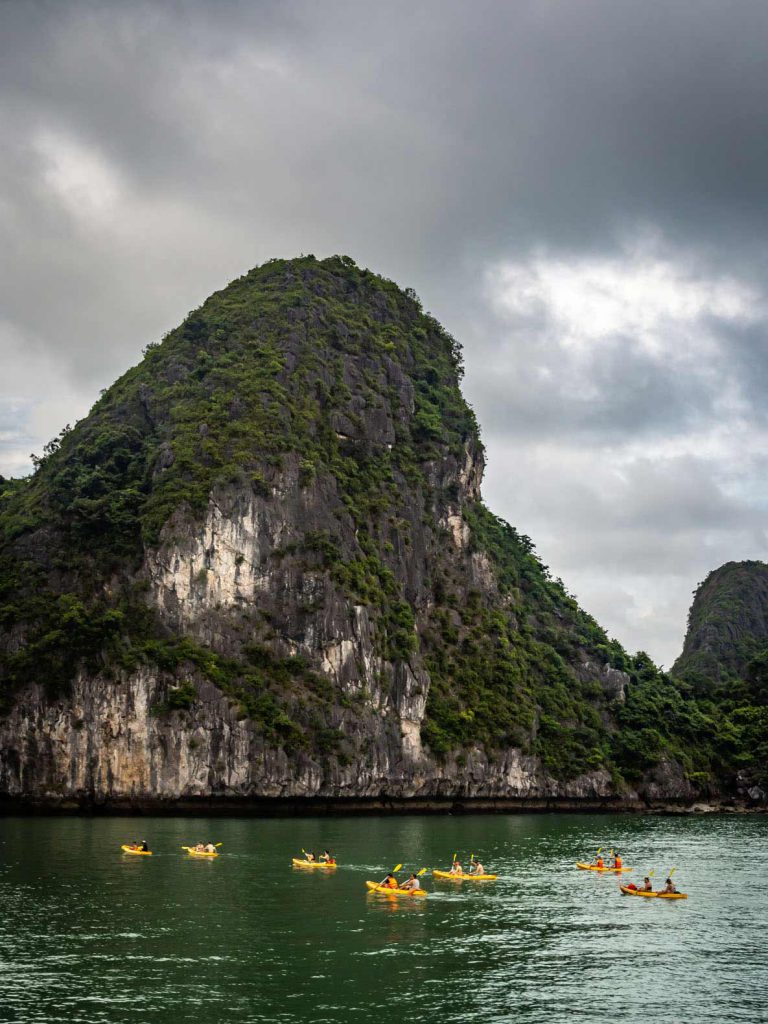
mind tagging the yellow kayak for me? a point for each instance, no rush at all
(199, 853)
(299, 863)
(386, 891)
(136, 853)
(591, 867)
(462, 876)
(658, 895)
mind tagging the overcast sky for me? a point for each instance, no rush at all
(577, 190)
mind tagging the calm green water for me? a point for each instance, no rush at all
(91, 935)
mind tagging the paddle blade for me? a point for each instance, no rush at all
(672, 872)
(219, 844)
(420, 873)
(396, 868)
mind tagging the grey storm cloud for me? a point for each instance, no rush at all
(575, 189)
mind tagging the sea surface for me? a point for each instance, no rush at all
(89, 935)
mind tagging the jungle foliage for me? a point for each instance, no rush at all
(280, 369)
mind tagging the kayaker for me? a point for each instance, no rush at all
(646, 886)
(598, 862)
(411, 883)
(669, 887)
(477, 868)
(310, 857)
(144, 847)
(616, 860)
(210, 848)
(327, 857)
(456, 869)
(199, 848)
(390, 882)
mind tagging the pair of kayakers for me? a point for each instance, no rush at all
(141, 847)
(390, 882)
(598, 862)
(326, 857)
(204, 848)
(475, 868)
(647, 886)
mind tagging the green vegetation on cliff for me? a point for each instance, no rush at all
(301, 380)
(258, 372)
(724, 665)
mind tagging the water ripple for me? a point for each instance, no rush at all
(89, 936)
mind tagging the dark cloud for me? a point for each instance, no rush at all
(575, 189)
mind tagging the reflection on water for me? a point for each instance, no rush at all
(92, 936)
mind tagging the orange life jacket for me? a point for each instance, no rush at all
(392, 883)
(617, 862)
(599, 862)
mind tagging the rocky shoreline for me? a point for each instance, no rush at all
(270, 807)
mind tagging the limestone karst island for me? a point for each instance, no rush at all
(260, 573)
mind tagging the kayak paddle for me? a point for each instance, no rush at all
(392, 872)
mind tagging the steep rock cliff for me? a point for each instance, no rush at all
(261, 567)
(727, 623)
(724, 663)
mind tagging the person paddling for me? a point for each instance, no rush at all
(210, 848)
(143, 846)
(456, 868)
(390, 882)
(476, 868)
(617, 862)
(327, 857)
(646, 886)
(411, 883)
(669, 887)
(310, 857)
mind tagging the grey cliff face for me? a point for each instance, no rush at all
(105, 745)
(239, 566)
(727, 623)
(106, 741)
